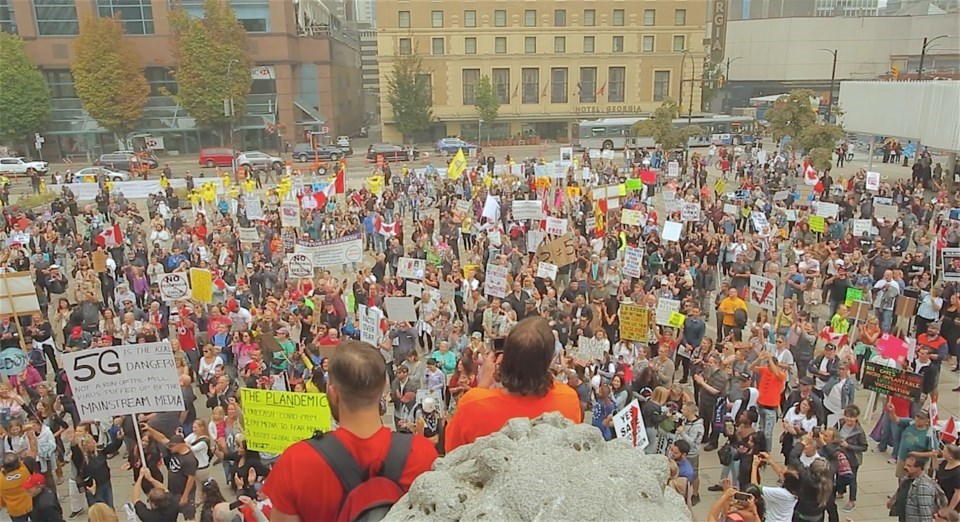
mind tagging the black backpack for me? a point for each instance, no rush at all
(365, 498)
(740, 317)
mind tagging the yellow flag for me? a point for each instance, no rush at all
(375, 183)
(457, 166)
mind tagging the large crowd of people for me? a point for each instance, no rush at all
(513, 318)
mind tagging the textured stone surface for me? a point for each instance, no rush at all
(548, 469)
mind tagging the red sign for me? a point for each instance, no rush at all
(892, 347)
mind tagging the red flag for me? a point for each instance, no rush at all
(323, 195)
(949, 432)
(341, 182)
(602, 89)
(110, 237)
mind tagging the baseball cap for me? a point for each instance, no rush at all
(478, 335)
(76, 331)
(37, 479)
(176, 439)
(806, 380)
(744, 376)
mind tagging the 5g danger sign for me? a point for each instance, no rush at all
(124, 380)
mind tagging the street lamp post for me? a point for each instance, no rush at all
(923, 53)
(833, 77)
(230, 103)
(683, 61)
(726, 70)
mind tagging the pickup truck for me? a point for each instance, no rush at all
(20, 166)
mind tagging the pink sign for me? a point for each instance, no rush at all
(892, 347)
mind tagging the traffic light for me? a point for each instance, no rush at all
(895, 71)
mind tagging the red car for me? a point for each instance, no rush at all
(216, 157)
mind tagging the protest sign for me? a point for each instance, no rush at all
(290, 214)
(634, 322)
(275, 420)
(556, 226)
(527, 209)
(671, 231)
(676, 320)
(400, 309)
(300, 266)
(827, 210)
(370, 324)
(448, 291)
(253, 208)
(861, 227)
(630, 217)
(632, 261)
(781, 195)
(124, 380)
(587, 349)
(889, 212)
(892, 381)
(670, 201)
(496, 282)
(729, 208)
(249, 235)
(951, 264)
(763, 292)
(760, 222)
(594, 153)
(892, 347)
(13, 361)
(853, 294)
(201, 284)
(547, 270)
(719, 187)
(566, 156)
(17, 294)
(174, 286)
(534, 239)
(411, 268)
(673, 169)
(690, 212)
(463, 206)
(99, 261)
(817, 224)
(873, 180)
(332, 252)
(414, 289)
(628, 425)
(561, 251)
(634, 184)
(665, 307)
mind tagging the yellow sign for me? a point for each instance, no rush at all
(634, 322)
(817, 224)
(719, 186)
(458, 166)
(573, 192)
(543, 183)
(201, 283)
(676, 320)
(275, 420)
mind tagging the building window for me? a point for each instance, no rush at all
(8, 22)
(60, 83)
(560, 18)
(500, 18)
(679, 43)
(470, 45)
(680, 17)
(618, 17)
(253, 15)
(500, 45)
(501, 83)
(559, 44)
(403, 19)
(588, 84)
(618, 44)
(530, 44)
(589, 17)
(56, 17)
(531, 85)
(470, 79)
(436, 18)
(661, 85)
(588, 44)
(406, 47)
(649, 17)
(436, 46)
(530, 18)
(648, 44)
(558, 85)
(137, 15)
(160, 80)
(616, 82)
(469, 18)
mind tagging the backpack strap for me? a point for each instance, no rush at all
(400, 446)
(345, 466)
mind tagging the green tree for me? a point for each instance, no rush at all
(205, 50)
(108, 75)
(660, 127)
(411, 102)
(819, 142)
(486, 101)
(791, 114)
(24, 96)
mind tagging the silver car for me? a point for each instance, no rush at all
(94, 174)
(258, 160)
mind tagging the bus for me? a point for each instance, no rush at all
(617, 133)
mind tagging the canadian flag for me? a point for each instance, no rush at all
(828, 335)
(321, 196)
(948, 434)
(809, 174)
(340, 185)
(110, 237)
(386, 229)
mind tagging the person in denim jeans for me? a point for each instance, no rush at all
(770, 385)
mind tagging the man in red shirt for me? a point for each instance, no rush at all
(302, 486)
(187, 335)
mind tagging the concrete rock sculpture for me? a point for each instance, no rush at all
(545, 469)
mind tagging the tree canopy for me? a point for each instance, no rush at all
(108, 75)
(660, 127)
(791, 114)
(24, 96)
(205, 50)
(409, 98)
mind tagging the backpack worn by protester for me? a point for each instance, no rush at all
(365, 498)
(740, 317)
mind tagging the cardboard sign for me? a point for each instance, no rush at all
(535, 239)
(676, 320)
(174, 286)
(950, 258)
(889, 212)
(527, 209)
(275, 420)
(561, 251)
(861, 227)
(99, 261)
(300, 266)
(853, 294)
(290, 214)
(892, 381)
(547, 270)
(632, 261)
(763, 292)
(760, 222)
(827, 210)
(332, 252)
(673, 169)
(893, 347)
(556, 226)
(587, 349)
(873, 180)
(630, 217)
(671, 231)
(665, 307)
(411, 268)
(634, 322)
(448, 291)
(400, 309)
(905, 306)
(817, 224)
(201, 284)
(628, 424)
(496, 282)
(690, 212)
(729, 208)
(124, 380)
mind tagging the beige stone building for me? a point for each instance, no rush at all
(552, 63)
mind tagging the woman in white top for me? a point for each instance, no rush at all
(202, 446)
(929, 309)
(797, 422)
(208, 366)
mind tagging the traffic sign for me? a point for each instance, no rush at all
(300, 266)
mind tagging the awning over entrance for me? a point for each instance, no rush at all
(311, 112)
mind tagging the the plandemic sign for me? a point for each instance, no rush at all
(124, 380)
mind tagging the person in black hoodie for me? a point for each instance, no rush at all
(46, 506)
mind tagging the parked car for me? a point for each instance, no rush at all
(94, 174)
(20, 166)
(147, 158)
(343, 141)
(126, 161)
(216, 157)
(304, 152)
(390, 152)
(255, 159)
(452, 145)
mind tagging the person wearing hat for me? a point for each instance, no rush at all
(78, 339)
(182, 468)
(13, 496)
(46, 506)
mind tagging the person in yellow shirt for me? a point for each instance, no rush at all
(18, 502)
(728, 308)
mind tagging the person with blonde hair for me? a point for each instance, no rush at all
(102, 513)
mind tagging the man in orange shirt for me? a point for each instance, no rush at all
(770, 385)
(728, 308)
(18, 502)
(526, 387)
